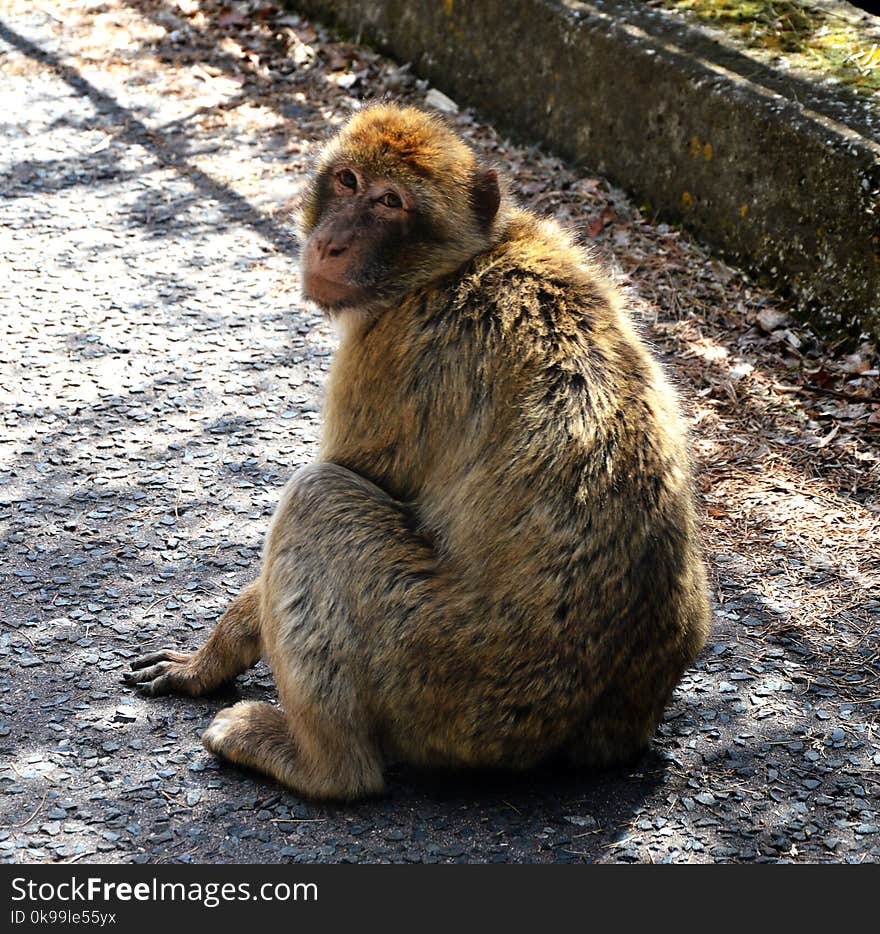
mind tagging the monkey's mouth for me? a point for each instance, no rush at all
(330, 293)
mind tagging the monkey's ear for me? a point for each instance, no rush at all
(485, 196)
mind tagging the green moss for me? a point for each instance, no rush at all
(807, 35)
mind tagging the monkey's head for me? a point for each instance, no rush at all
(397, 200)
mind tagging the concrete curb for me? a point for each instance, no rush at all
(779, 174)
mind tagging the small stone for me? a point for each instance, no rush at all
(439, 101)
(587, 820)
(770, 319)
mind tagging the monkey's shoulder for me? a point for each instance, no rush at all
(536, 285)
(526, 305)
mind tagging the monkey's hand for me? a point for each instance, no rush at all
(164, 672)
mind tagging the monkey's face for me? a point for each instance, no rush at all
(370, 229)
(399, 200)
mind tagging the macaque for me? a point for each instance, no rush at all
(494, 561)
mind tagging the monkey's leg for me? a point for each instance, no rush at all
(344, 574)
(233, 647)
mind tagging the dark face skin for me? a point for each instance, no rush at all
(364, 227)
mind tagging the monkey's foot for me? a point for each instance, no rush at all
(165, 672)
(257, 735)
(250, 733)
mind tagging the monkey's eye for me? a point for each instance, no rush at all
(391, 200)
(347, 179)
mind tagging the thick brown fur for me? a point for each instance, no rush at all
(495, 560)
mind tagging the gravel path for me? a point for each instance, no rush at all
(160, 379)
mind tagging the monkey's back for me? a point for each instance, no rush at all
(540, 447)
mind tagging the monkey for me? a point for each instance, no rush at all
(495, 560)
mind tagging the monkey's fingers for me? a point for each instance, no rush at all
(145, 675)
(163, 678)
(163, 655)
